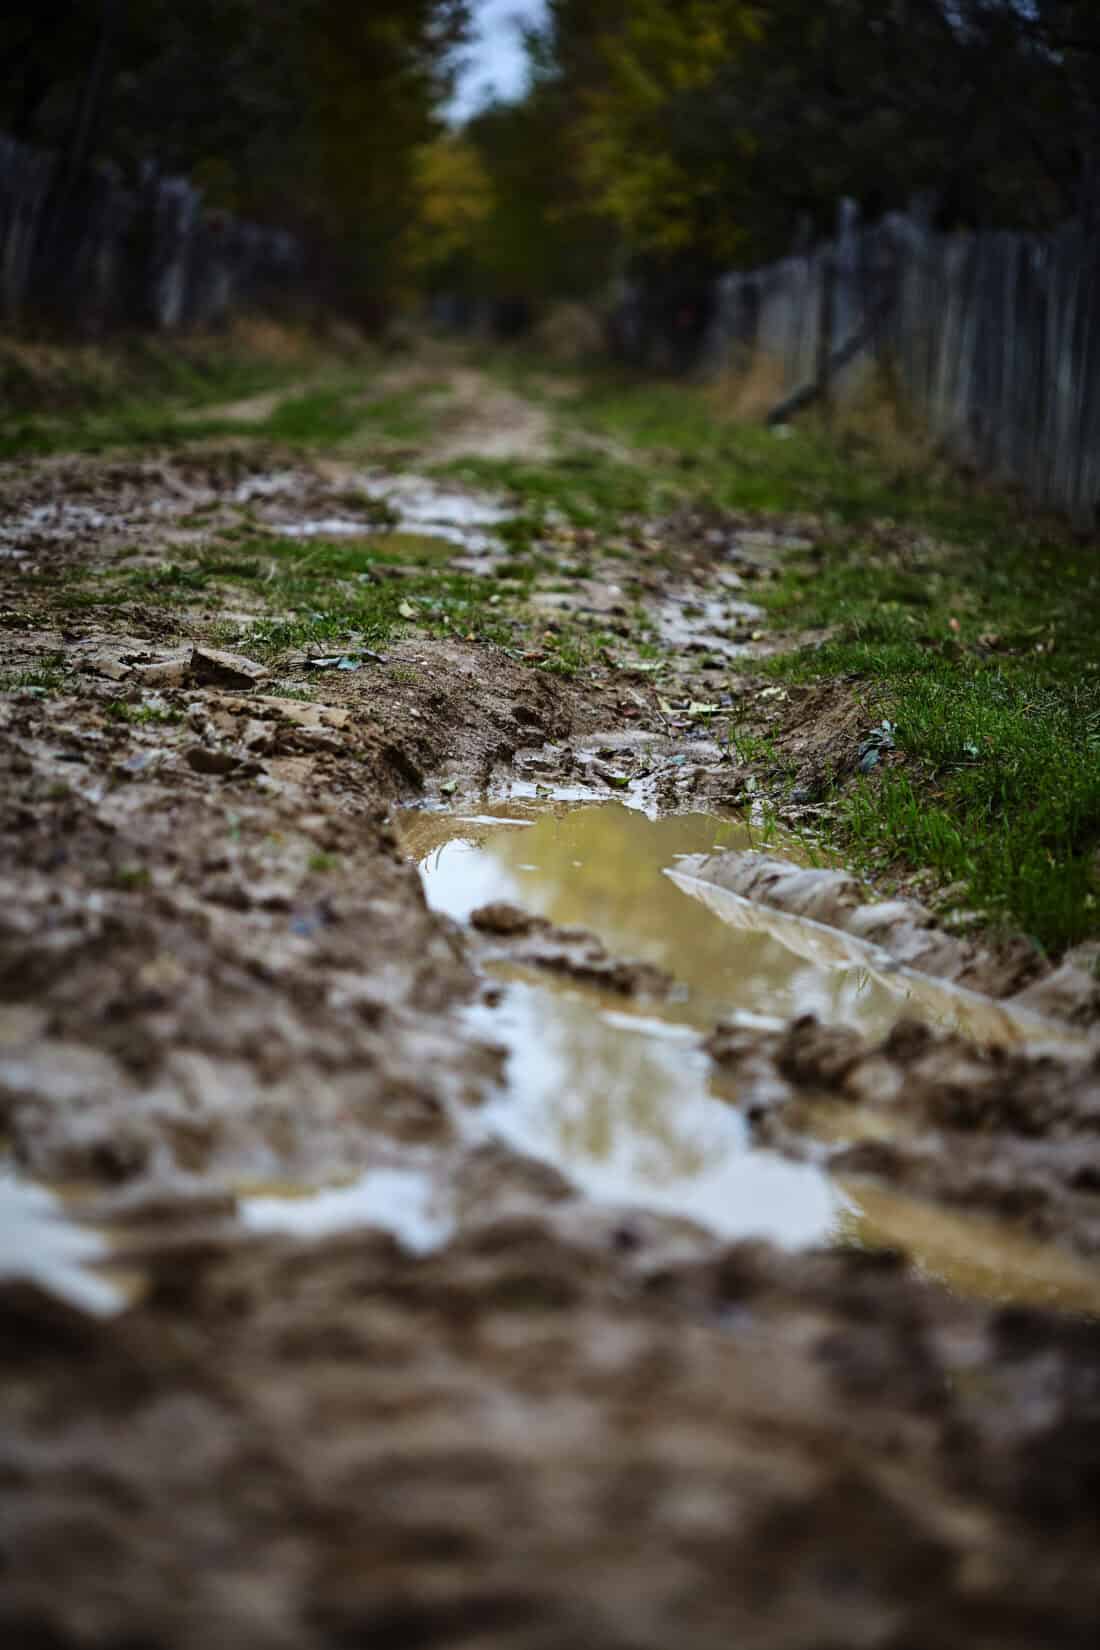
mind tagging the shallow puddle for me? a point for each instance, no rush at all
(619, 1095)
(616, 1092)
(971, 1254)
(922, 996)
(403, 1202)
(429, 507)
(602, 867)
(41, 1244)
(628, 1107)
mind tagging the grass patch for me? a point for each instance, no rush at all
(143, 395)
(973, 629)
(341, 593)
(319, 418)
(983, 654)
(139, 716)
(586, 489)
(47, 676)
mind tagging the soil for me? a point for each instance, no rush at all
(1012, 1131)
(564, 1423)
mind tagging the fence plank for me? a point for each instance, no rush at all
(992, 338)
(94, 254)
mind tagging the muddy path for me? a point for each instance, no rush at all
(423, 1219)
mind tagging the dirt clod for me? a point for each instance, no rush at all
(225, 669)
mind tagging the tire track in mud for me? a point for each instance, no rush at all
(568, 1423)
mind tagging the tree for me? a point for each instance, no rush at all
(310, 115)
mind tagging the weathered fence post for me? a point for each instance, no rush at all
(90, 252)
(826, 307)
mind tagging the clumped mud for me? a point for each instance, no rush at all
(903, 933)
(537, 943)
(547, 1435)
(549, 1421)
(1009, 1131)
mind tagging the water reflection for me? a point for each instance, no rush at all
(41, 1244)
(402, 1201)
(617, 1093)
(633, 1116)
(972, 1255)
(602, 867)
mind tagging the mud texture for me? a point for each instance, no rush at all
(545, 1437)
(904, 933)
(537, 943)
(558, 1423)
(1014, 1132)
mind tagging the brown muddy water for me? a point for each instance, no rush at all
(618, 1093)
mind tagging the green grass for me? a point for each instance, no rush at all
(136, 398)
(983, 652)
(153, 402)
(142, 715)
(46, 676)
(588, 489)
(972, 628)
(340, 594)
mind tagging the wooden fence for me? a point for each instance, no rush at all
(992, 338)
(90, 254)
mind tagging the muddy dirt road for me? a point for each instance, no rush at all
(424, 1220)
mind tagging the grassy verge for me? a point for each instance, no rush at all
(143, 392)
(970, 625)
(983, 653)
(132, 393)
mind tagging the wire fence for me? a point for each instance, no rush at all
(89, 254)
(991, 338)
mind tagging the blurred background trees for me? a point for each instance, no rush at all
(672, 137)
(697, 134)
(309, 114)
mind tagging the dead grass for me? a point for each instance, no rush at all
(747, 393)
(569, 335)
(869, 415)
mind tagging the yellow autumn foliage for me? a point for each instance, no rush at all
(664, 196)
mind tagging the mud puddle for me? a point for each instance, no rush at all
(628, 1110)
(970, 1255)
(616, 1093)
(466, 519)
(402, 1201)
(41, 1244)
(603, 867)
(923, 996)
(423, 511)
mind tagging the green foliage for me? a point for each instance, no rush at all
(142, 715)
(982, 652)
(47, 676)
(589, 489)
(683, 135)
(309, 115)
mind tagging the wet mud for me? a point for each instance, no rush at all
(391, 1249)
(1009, 1131)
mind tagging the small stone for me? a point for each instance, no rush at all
(203, 760)
(504, 918)
(225, 669)
(173, 674)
